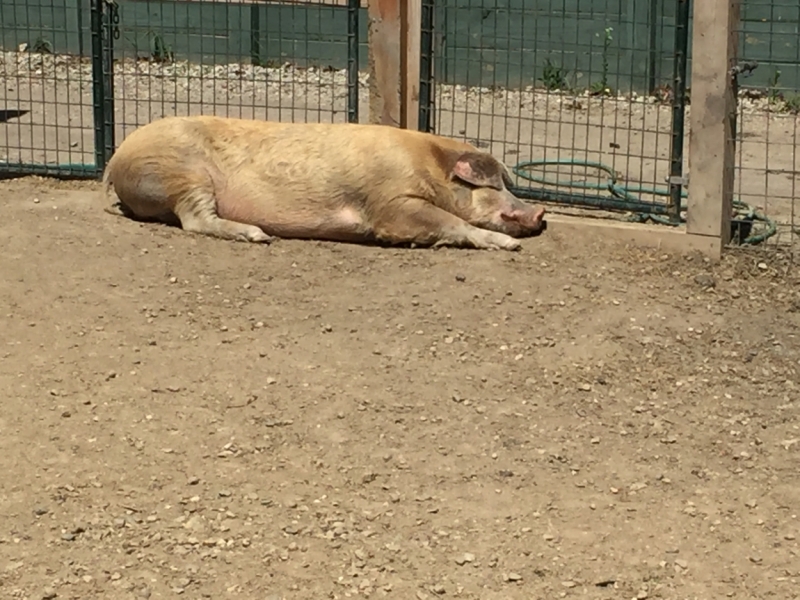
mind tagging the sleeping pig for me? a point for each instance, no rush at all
(254, 180)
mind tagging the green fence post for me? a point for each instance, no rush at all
(426, 81)
(676, 180)
(105, 21)
(353, 8)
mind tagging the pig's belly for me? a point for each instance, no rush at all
(291, 218)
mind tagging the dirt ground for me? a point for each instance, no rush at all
(187, 417)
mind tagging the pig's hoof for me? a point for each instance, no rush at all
(513, 245)
(500, 241)
(256, 235)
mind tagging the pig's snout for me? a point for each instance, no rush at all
(522, 220)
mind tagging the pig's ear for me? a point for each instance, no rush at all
(507, 177)
(479, 169)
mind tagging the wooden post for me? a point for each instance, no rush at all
(394, 53)
(384, 61)
(409, 69)
(713, 114)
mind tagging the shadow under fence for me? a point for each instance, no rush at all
(80, 75)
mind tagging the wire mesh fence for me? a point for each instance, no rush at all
(46, 125)
(767, 161)
(85, 72)
(585, 101)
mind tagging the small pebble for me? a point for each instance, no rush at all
(705, 280)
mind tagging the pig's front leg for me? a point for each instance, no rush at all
(417, 221)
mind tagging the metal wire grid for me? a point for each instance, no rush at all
(46, 119)
(588, 96)
(768, 115)
(83, 73)
(278, 60)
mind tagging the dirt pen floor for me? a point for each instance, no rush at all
(187, 417)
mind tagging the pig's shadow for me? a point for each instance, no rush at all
(371, 241)
(172, 222)
(412, 246)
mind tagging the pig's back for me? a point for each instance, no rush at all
(318, 163)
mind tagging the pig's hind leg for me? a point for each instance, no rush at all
(187, 197)
(417, 221)
(196, 207)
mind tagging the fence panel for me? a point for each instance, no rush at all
(46, 123)
(577, 96)
(273, 60)
(86, 72)
(587, 101)
(767, 160)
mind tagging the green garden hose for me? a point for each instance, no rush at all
(627, 193)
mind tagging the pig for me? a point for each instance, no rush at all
(250, 180)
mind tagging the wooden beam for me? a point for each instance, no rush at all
(670, 239)
(409, 69)
(713, 114)
(385, 62)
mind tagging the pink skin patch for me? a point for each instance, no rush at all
(530, 219)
